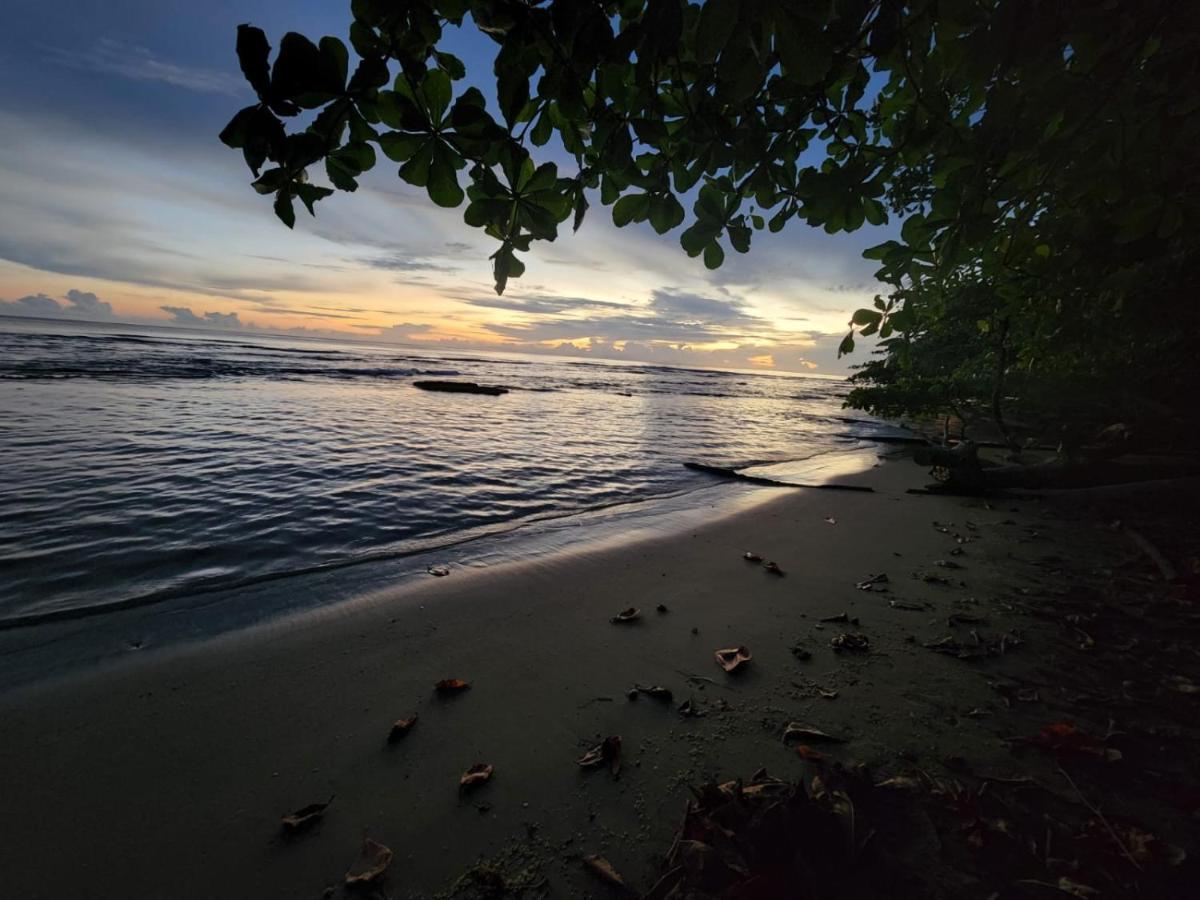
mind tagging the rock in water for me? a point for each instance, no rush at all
(461, 387)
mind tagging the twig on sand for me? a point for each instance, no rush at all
(1099, 815)
(1164, 565)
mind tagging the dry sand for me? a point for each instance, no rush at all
(167, 776)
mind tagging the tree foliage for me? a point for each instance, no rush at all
(1038, 157)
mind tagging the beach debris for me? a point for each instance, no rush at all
(305, 817)
(946, 564)
(806, 752)
(1065, 739)
(626, 615)
(964, 619)
(957, 551)
(732, 658)
(831, 520)
(662, 608)
(657, 691)
(796, 731)
(931, 578)
(751, 556)
(478, 774)
(373, 860)
(452, 686)
(689, 710)
(602, 869)
(1182, 684)
(461, 387)
(910, 607)
(853, 642)
(801, 652)
(438, 571)
(978, 648)
(841, 617)
(401, 728)
(901, 783)
(607, 752)
(873, 582)
(773, 568)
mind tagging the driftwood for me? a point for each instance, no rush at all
(961, 470)
(460, 387)
(723, 472)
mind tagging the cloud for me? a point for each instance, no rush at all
(183, 315)
(139, 64)
(396, 264)
(78, 305)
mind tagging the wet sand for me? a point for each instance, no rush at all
(167, 776)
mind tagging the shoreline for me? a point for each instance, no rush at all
(168, 778)
(59, 643)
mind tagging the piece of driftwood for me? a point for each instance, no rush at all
(461, 387)
(723, 472)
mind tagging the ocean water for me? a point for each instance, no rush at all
(142, 464)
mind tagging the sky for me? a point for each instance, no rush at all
(120, 204)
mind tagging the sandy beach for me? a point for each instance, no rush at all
(167, 776)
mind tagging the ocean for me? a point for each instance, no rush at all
(142, 464)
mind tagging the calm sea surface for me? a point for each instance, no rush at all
(139, 463)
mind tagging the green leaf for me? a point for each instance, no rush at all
(284, 210)
(713, 27)
(437, 90)
(847, 345)
(713, 256)
(665, 212)
(451, 64)
(252, 52)
(399, 145)
(416, 170)
(443, 186)
(866, 317)
(631, 208)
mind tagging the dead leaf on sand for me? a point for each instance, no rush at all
(732, 658)
(304, 818)
(901, 783)
(946, 564)
(911, 607)
(478, 774)
(451, 686)
(852, 642)
(438, 571)
(773, 568)
(602, 869)
(689, 710)
(607, 752)
(373, 860)
(795, 731)
(400, 728)
(808, 753)
(1063, 738)
(751, 556)
(626, 615)
(873, 582)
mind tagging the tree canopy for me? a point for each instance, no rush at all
(1038, 157)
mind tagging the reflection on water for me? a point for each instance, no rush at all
(144, 462)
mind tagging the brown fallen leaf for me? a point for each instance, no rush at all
(689, 710)
(400, 728)
(373, 860)
(476, 775)
(806, 752)
(602, 869)
(797, 731)
(607, 751)
(305, 817)
(870, 583)
(626, 615)
(733, 658)
(451, 686)
(901, 783)
(853, 642)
